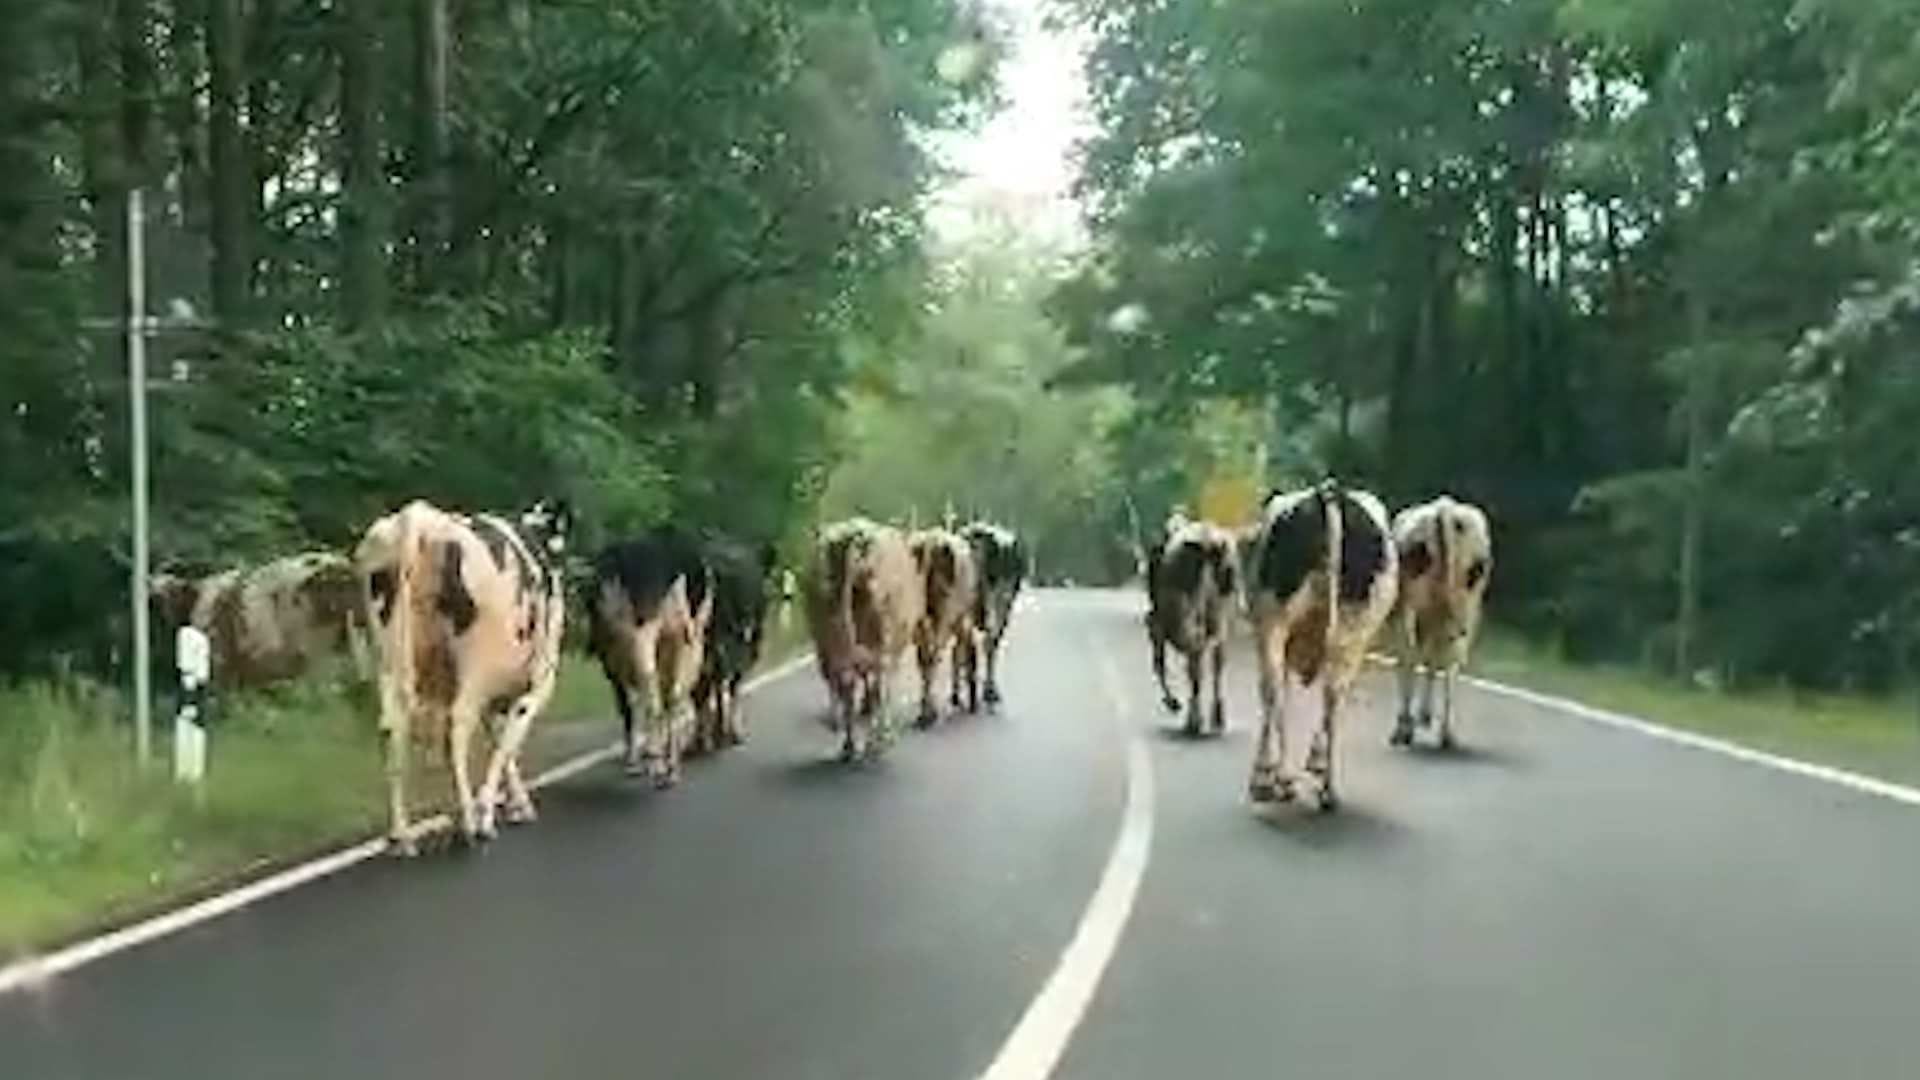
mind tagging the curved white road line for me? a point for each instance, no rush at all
(35, 970)
(1041, 1036)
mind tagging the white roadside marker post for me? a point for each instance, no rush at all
(189, 737)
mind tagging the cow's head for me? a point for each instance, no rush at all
(550, 521)
(173, 597)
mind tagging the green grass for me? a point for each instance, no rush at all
(86, 838)
(1876, 736)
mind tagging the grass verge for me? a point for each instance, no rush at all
(1876, 736)
(87, 840)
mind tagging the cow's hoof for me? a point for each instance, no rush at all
(1426, 720)
(848, 752)
(402, 846)
(993, 696)
(1219, 720)
(1267, 787)
(925, 720)
(735, 738)
(1170, 704)
(1447, 741)
(1191, 729)
(521, 814)
(1329, 801)
(1402, 733)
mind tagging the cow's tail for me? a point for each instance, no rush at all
(1330, 500)
(402, 562)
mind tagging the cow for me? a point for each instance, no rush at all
(270, 622)
(863, 599)
(950, 584)
(741, 587)
(1192, 582)
(652, 599)
(1323, 581)
(1001, 562)
(466, 614)
(1446, 558)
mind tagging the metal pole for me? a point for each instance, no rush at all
(137, 409)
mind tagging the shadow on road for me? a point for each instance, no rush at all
(1177, 733)
(1469, 754)
(1350, 827)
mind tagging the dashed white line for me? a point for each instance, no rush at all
(36, 970)
(1041, 1036)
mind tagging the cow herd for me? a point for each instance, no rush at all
(1320, 573)
(461, 618)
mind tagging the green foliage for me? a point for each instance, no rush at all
(1596, 265)
(627, 254)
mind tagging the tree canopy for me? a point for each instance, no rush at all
(1636, 275)
(629, 252)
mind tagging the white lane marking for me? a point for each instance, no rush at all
(34, 971)
(1846, 778)
(1038, 1040)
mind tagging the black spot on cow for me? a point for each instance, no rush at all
(380, 586)
(1294, 546)
(1476, 573)
(1415, 558)
(454, 601)
(645, 568)
(1363, 550)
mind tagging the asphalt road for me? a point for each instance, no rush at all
(1559, 900)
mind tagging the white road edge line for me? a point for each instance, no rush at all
(1846, 778)
(1041, 1036)
(35, 970)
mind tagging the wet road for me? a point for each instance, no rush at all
(1561, 899)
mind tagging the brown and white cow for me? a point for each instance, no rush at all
(1001, 562)
(466, 615)
(1192, 585)
(652, 601)
(1446, 559)
(863, 599)
(950, 585)
(269, 622)
(1323, 579)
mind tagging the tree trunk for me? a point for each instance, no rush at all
(104, 164)
(430, 139)
(364, 216)
(232, 171)
(1694, 493)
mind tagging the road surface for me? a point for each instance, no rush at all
(1561, 900)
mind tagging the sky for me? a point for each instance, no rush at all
(1022, 159)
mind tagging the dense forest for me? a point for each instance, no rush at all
(1640, 276)
(480, 251)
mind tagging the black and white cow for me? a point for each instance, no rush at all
(1323, 581)
(742, 587)
(1192, 581)
(1001, 562)
(466, 614)
(652, 599)
(1446, 559)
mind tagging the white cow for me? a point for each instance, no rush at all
(1446, 559)
(466, 614)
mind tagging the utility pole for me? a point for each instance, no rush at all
(137, 410)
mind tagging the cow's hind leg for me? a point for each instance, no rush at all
(927, 652)
(1219, 657)
(1267, 784)
(504, 765)
(1159, 644)
(462, 720)
(993, 668)
(1406, 671)
(1448, 677)
(1320, 754)
(400, 839)
(1196, 667)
